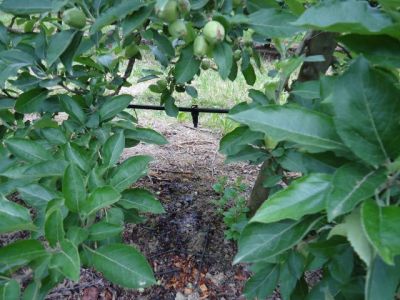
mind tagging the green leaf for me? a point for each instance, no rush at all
(170, 107)
(136, 19)
(72, 108)
(308, 90)
(20, 253)
(312, 130)
(223, 57)
(344, 16)
(27, 7)
(255, 5)
(272, 23)
(77, 155)
(295, 6)
(248, 153)
(389, 4)
(129, 172)
(54, 227)
(187, 66)
(164, 45)
(103, 230)
(263, 282)
(146, 135)
(7, 103)
(341, 265)
(306, 163)
(11, 61)
(354, 289)
(100, 198)
(191, 91)
(96, 178)
(10, 290)
(73, 188)
(15, 171)
(54, 136)
(77, 235)
(14, 217)
(198, 4)
(116, 12)
(352, 229)
(237, 139)
(249, 75)
(381, 225)
(59, 42)
(366, 109)
(304, 196)
(382, 280)
(17, 56)
(115, 216)
(262, 241)
(258, 97)
(69, 54)
(141, 200)
(67, 260)
(27, 150)
(113, 148)
(351, 184)
(9, 186)
(32, 292)
(31, 101)
(123, 265)
(113, 106)
(379, 49)
(291, 271)
(327, 289)
(36, 195)
(50, 168)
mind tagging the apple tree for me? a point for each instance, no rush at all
(332, 141)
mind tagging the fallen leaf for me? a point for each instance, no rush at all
(91, 293)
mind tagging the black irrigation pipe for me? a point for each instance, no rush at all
(194, 110)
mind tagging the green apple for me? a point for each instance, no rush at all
(169, 12)
(214, 32)
(200, 46)
(178, 29)
(74, 18)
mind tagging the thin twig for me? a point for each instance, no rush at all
(127, 73)
(76, 287)
(167, 272)
(74, 91)
(151, 256)
(299, 51)
(12, 30)
(12, 22)
(175, 172)
(8, 94)
(202, 256)
(347, 52)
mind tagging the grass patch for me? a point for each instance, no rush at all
(212, 92)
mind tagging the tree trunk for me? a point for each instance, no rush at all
(315, 43)
(259, 193)
(319, 43)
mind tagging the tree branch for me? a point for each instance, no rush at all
(74, 91)
(6, 93)
(12, 22)
(125, 78)
(314, 43)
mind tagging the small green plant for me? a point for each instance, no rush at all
(231, 205)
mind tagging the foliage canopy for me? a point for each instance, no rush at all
(63, 129)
